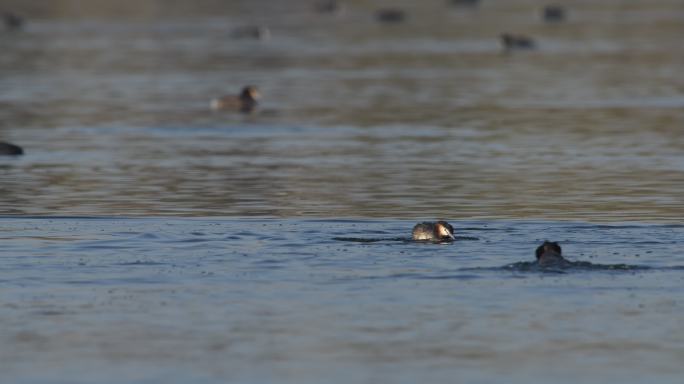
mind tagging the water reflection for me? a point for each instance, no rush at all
(425, 118)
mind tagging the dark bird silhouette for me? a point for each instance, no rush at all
(245, 102)
(8, 149)
(512, 42)
(549, 254)
(390, 15)
(553, 13)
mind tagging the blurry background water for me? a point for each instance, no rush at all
(381, 124)
(426, 117)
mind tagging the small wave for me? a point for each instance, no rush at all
(141, 263)
(363, 240)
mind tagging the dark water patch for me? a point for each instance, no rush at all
(299, 294)
(147, 236)
(481, 229)
(376, 240)
(121, 281)
(572, 266)
(142, 263)
(111, 246)
(194, 240)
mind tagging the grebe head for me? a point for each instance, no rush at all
(250, 93)
(444, 230)
(548, 249)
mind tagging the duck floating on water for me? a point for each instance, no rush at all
(437, 231)
(245, 102)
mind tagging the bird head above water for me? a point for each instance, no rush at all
(548, 248)
(250, 93)
(550, 254)
(437, 231)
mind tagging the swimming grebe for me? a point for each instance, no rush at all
(511, 42)
(553, 13)
(549, 254)
(439, 231)
(9, 149)
(245, 102)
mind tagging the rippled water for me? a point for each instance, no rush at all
(147, 238)
(253, 301)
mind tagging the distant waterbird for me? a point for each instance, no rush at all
(390, 15)
(553, 13)
(512, 42)
(244, 102)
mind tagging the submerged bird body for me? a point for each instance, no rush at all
(9, 149)
(438, 231)
(549, 254)
(245, 102)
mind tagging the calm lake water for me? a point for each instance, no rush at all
(147, 238)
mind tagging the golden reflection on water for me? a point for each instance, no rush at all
(422, 119)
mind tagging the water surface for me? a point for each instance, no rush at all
(146, 238)
(252, 301)
(358, 119)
